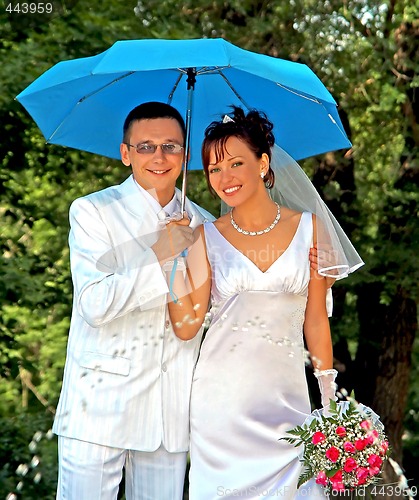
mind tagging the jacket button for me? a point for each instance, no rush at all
(164, 367)
(167, 324)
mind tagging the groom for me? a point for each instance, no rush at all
(124, 403)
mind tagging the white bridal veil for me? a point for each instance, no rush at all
(337, 256)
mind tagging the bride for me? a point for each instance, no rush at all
(249, 385)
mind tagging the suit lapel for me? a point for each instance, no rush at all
(133, 201)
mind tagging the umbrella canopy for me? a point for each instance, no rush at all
(82, 103)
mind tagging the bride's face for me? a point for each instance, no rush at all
(236, 177)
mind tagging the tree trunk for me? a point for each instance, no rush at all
(383, 362)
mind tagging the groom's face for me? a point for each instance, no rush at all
(157, 172)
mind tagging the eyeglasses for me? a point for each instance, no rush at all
(149, 149)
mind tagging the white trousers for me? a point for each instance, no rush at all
(88, 471)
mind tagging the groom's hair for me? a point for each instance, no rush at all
(150, 111)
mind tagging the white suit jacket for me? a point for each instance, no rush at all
(127, 376)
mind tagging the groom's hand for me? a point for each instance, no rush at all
(174, 239)
(315, 265)
(313, 258)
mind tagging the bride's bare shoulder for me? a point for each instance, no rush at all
(289, 214)
(222, 222)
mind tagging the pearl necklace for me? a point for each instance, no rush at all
(256, 233)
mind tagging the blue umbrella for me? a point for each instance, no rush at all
(82, 103)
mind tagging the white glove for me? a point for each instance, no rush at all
(327, 386)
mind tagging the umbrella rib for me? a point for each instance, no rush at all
(204, 70)
(104, 87)
(175, 87)
(312, 99)
(211, 69)
(239, 97)
(86, 97)
(299, 95)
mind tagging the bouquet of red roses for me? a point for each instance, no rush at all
(345, 449)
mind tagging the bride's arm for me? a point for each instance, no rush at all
(316, 324)
(317, 334)
(190, 290)
(318, 338)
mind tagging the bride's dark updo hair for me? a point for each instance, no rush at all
(253, 128)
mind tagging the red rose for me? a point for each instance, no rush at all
(341, 431)
(360, 444)
(372, 437)
(336, 480)
(373, 471)
(349, 447)
(375, 460)
(365, 424)
(321, 478)
(332, 454)
(362, 474)
(383, 448)
(338, 486)
(318, 437)
(350, 465)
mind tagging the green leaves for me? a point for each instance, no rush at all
(305, 476)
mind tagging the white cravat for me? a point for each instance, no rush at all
(172, 207)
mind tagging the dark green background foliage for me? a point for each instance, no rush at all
(366, 53)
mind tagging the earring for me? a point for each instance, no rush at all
(262, 175)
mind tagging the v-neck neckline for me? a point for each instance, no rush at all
(250, 260)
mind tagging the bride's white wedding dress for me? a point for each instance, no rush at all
(249, 386)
